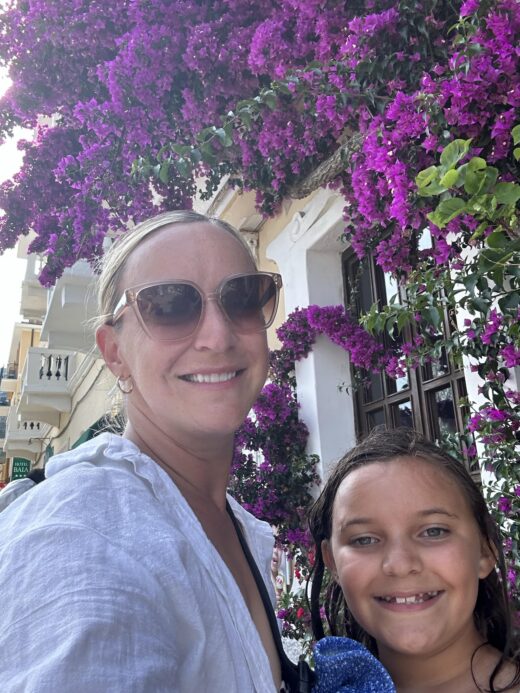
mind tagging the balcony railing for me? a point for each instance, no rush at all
(47, 384)
(54, 366)
(24, 438)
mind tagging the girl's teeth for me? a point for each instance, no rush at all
(210, 377)
(415, 599)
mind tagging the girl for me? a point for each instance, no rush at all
(417, 566)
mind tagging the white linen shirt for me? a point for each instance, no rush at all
(108, 583)
(14, 490)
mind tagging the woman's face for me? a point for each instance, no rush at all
(408, 556)
(203, 384)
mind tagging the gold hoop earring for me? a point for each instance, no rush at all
(126, 385)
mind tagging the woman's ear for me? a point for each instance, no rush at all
(328, 557)
(488, 559)
(107, 340)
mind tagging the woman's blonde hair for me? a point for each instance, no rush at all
(115, 259)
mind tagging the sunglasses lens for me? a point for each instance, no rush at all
(170, 311)
(250, 301)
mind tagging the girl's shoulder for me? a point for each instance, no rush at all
(508, 677)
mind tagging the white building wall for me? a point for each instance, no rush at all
(308, 253)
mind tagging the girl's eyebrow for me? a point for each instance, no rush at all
(345, 524)
(438, 511)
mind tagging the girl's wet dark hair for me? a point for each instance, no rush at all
(492, 613)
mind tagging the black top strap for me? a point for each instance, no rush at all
(299, 678)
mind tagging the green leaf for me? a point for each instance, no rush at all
(426, 176)
(180, 149)
(510, 301)
(470, 282)
(205, 135)
(269, 98)
(427, 182)
(224, 137)
(446, 211)
(516, 153)
(245, 116)
(183, 166)
(207, 152)
(431, 315)
(497, 275)
(507, 193)
(489, 259)
(164, 172)
(515, 132)
(476, 163)
(449, 179)
(475, 182)
(497, 239)
(195, 155)
(482, 204)
(480, 181)
(402, 321)
(480, 304)
(454, 152)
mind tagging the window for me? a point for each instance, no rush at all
(427, 398)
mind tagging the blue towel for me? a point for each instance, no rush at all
(345, 666)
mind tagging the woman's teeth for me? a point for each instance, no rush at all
(209, 377)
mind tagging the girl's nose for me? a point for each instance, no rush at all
(401, 558)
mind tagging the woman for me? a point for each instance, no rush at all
(125, 571)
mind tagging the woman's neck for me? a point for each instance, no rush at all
(200, 470)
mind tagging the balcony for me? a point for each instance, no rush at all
(9, 377)
(34, 299)
(71, 304)
(24, 438)
(48, 381)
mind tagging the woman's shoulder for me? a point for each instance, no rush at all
(100, 488)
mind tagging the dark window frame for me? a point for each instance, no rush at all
(422, 385)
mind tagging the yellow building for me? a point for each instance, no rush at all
(55, 381)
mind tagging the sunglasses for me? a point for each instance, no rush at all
(173, 310)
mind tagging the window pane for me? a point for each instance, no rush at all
(397, 385)
(375, 418)
(391, 287)
(402, 414)
(443, 411)
(425, 239)
(366, 295)
(437, 368)
(372, 387)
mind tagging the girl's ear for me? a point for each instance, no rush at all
(328, 556)
(488, 559)
(107, 340)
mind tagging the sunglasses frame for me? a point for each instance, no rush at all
(129, 299)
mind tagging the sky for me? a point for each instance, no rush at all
(12, 269)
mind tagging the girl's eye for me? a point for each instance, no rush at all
(363, 541)
(435, 532)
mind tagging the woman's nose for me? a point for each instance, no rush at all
(401, 557)
(215, 331)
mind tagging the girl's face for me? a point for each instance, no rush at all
(408, 555)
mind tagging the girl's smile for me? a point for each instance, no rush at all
(408, 556)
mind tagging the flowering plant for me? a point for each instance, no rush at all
(142, 99)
